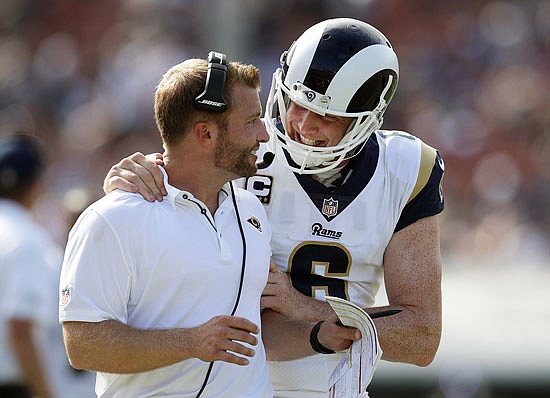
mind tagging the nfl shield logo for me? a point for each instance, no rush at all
(330, 207)
(65, 296)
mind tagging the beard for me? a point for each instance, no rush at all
(234, 158)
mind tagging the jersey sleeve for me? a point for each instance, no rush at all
(95, 278)
(426, 198)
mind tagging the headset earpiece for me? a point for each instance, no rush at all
(212, 99)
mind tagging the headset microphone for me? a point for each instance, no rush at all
(266, 160)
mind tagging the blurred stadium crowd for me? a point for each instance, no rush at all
(474, 83)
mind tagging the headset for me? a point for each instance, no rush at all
(212, 99)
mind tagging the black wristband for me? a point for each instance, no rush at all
(314, 341)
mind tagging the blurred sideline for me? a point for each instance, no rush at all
(496, 323)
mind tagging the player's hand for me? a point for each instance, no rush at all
(138, 173)
(279, 294)
(213, 340)
(336, 337)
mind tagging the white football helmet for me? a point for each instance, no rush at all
(341, 67)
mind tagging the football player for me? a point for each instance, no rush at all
(351, 206)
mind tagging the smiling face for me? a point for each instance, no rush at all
(310, 128)
(238, 142)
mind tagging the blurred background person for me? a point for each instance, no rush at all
(32, 357)
(25, 270)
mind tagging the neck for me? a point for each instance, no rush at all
(196, 176)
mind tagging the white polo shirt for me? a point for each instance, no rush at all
(169, 265)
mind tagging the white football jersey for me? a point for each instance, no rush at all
(332, 241)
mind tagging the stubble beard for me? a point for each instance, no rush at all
(233, 158)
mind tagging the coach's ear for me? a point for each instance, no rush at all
(205, 133)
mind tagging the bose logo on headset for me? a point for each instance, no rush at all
(212, 99)
(212, 103)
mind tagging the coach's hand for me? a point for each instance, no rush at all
(213, 340)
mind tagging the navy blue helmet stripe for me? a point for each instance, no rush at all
(335, 49)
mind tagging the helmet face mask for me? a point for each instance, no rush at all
(339, 67)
